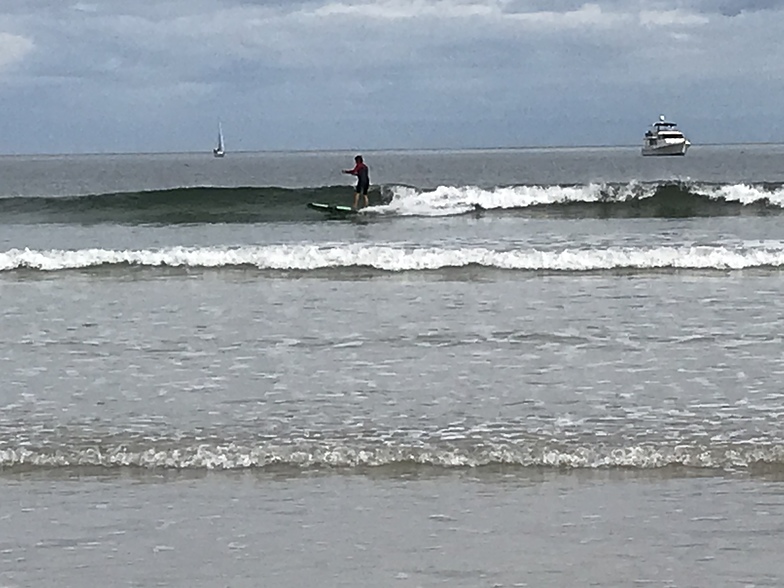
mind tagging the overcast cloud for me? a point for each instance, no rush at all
(158, 75)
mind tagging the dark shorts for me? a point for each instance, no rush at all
(362, 187)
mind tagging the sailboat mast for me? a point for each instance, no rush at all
(219, 150)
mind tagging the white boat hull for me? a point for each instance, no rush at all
(666, 148)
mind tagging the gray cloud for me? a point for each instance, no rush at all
(318, 73)
(736, 7)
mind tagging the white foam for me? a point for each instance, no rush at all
(742, 193)
(305, 455)
(399, 258)
(448, 200)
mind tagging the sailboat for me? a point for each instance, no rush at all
(218, 151)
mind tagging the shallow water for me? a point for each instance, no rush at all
(531, 395)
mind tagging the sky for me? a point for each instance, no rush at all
(127, 76)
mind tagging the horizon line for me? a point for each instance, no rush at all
(374, 150)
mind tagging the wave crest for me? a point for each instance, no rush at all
(633, 199)
(404, 259)
(205, 205)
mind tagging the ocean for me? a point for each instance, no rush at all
(517, 367)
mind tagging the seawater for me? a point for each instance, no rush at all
(516, 368)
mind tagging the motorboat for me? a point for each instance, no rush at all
(664, 138)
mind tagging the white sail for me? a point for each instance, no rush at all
(219, 151)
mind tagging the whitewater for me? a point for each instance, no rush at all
(399, 258)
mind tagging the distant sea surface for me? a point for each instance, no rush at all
(534, 367)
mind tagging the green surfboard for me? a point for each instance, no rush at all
(332, 209)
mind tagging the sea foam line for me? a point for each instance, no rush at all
(235, 456)
(399, 258)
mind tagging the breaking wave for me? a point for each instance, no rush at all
(766, 255)
(669, 200)
(203, 205)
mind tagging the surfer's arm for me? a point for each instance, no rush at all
(353, 172)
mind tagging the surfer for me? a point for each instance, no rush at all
(363, 180)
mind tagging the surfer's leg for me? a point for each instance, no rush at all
(356, 199)
(363, 188)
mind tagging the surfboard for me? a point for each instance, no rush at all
(332, 209)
